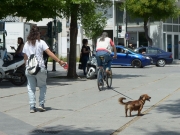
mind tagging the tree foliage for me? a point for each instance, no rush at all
(151, 9)
(30, 9)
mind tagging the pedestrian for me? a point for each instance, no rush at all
(85, 52)
(45, 56)
(18, 52)
(131, 46)
(35, 45)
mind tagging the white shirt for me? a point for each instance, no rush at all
(36, 49)
(104, 45)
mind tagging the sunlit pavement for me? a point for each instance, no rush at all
(76, 107)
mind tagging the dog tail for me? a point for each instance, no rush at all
(121, 101)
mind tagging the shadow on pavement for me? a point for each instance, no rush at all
(172, 108)
(114, 66)
(164, 133)
(69, 130)
(160, 131)
(8, 84)
(126, 76)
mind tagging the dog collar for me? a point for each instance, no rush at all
(142, 101)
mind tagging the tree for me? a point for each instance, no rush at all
(30, 9)
(83, 10)
(94, 26)
(151, 9)
(76, 10)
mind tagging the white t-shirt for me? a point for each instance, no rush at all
(104, 45)
(36, 49)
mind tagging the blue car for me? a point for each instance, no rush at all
(127, 57)
(160, 57)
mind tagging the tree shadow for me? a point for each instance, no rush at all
(116, 66)
(160, 131)
(172, 108)
(126, 76)
(50, 108)
(8, 84)
(71, 130)
(63, 80)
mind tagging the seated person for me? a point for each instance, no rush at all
(18, 52)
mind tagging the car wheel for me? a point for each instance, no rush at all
(136, 63)
(161, 63)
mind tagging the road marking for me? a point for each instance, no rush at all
(145, 112)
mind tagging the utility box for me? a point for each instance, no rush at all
(15, 30)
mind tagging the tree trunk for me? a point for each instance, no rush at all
(73, 41)
(146, 32)
(94, 44)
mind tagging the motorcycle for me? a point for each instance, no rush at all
(91, 67)
(12, 69)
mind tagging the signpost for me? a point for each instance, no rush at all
(127, 36)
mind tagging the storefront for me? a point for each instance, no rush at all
(171, 37)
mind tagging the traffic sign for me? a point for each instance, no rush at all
(127, 36)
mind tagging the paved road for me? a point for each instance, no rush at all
(76, 107)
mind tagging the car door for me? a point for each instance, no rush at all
(126, 57)
(123, 58)
(119, 55)
(153, 53)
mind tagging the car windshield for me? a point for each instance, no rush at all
(131, 50)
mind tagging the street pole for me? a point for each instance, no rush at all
(54, 44)
(126, 27)
(113, 23)
(117, 34)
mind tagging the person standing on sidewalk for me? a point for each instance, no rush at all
(35, 45)
(85, 51)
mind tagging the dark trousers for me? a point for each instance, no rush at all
(84, 63)
(46, 61)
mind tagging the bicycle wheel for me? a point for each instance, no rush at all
(100, 81)
(109, 80)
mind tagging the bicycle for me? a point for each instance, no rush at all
(103, 76)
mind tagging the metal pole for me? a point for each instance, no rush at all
(113, 23)
(126, 27)
(117, 35)
(54, 62)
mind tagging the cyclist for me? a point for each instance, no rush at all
(103, 48)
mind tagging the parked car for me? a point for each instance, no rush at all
(127, 57)
(159, 56)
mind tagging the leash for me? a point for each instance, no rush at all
(121, 94)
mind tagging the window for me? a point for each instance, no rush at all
(142, 50)
(169, 28)
(152, 50)
(118, 50)
(175, 28)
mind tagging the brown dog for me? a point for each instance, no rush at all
(136, 105)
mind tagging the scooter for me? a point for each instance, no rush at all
(91, 67)
(12, 69)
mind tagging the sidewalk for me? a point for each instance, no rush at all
(76, 107)
(176, 62)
